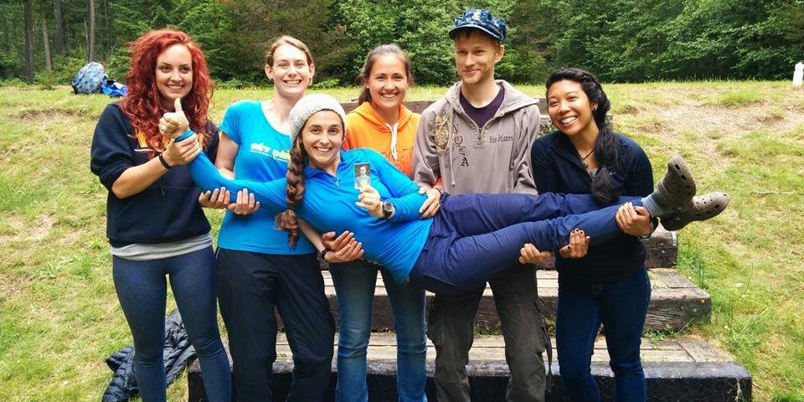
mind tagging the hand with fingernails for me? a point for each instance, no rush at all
(432, 204)
(172, 125)
(344, 247)
(634, 221)
(369, 199)
(244, 203)
(529, 254)
(578, 245)
(216, 199)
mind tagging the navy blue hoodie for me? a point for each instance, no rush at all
(557, 168)
(167, 210)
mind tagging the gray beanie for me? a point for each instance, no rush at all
(310, 105)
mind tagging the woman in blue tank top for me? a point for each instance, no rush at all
(257, 270)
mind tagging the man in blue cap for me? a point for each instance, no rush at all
(477, 139)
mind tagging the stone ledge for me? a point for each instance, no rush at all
(675, 301)
(683, 369)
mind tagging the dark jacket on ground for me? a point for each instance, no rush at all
(177, 354)
(166, 211)
(557, 168)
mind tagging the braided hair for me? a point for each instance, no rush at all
(294, 191)
(607, 146)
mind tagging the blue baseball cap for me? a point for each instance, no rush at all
(482, 20)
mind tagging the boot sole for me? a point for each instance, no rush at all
(718, 204)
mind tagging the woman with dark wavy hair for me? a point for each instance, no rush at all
(608, 283)
(155, 224)
(471, 238)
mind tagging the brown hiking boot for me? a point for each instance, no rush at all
(677, 185)
(702, 208)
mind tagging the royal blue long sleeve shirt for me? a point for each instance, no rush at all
(329, 205)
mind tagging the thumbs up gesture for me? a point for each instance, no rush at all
(174, 124)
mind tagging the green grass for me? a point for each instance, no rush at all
(59, 316)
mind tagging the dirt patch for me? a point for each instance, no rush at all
(9, 288)
(692, 115)
(70, 238)
(691, 112)
(54, 113)
(36, 231)
(693, 109)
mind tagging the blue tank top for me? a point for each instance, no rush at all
(262, 156)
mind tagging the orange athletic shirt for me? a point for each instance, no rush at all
(366, 129)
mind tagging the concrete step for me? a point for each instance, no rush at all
(681, 369)
(675, 301)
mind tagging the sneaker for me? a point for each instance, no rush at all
(702, 207)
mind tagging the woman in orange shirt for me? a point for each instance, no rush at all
(383, 123)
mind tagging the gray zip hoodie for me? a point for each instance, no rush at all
(494, 158)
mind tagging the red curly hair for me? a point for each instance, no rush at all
(142, 104)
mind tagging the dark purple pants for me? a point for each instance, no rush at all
(475, 236)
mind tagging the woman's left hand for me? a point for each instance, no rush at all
(174, 124)
(634, 221)
(369, 199)
(578, 245)
(182, 152)
(432, 204)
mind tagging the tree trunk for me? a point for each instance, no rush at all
(58, 39)
(29, 73)
(108, 28)
(7, 34)
(91, 32)
(46, 41)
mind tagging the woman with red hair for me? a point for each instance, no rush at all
(155, 224)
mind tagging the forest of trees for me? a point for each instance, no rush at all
(47, 41)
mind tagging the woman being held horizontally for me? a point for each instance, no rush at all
(610, 284)
(470, 238)
(155, 224)
(381, 122)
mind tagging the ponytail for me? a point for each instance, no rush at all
(607, 153)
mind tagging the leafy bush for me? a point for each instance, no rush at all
(326, 84)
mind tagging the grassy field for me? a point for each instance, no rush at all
(59, 316)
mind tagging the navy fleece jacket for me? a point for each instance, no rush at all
(168, 210)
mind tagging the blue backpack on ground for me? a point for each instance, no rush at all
(90, 79)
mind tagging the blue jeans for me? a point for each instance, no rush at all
(476, 236)
(620, 306)
(354, 283)
(142, 291)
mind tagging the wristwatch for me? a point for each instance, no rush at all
(645, 238)
(321, 256)
(387, 209)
